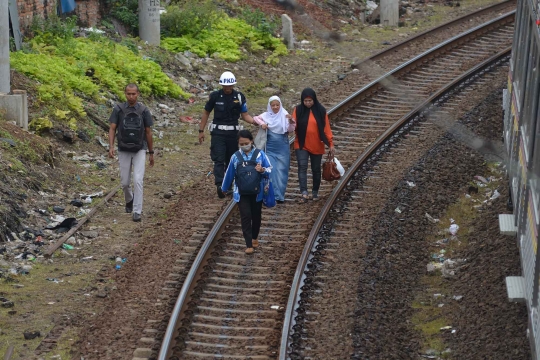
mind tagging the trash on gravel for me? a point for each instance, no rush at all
(442, 241)
(87, 200)
(118, 267)
(67, 247)
(76, 202)
(160, 135)
(102, 142)
(411, 184)
(398, 210)
(276, 307)
(29, 335)
(55, 280)
(86, 258)
(472, 190)
(432, 219)
(453, 229)
(370, 6)
(482, 179)
(96, 194)
(436, 296)
(58, 209)
(431, 267)
(457, 297)
(446, 328)
(495, 195)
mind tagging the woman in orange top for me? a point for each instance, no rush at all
(312, 133)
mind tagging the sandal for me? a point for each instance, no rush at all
(304, 198)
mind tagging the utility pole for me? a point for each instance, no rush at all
(5, 79)
(149, 21)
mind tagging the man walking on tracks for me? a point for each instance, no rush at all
(131, 123)
(228, 106)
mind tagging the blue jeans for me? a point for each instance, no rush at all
(279, 154)
(302, 159)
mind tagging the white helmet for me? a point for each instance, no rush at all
(227, 78)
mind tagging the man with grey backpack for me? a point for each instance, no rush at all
(130, 123)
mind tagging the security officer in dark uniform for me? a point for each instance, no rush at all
(228, 105)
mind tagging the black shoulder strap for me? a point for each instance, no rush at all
(122, 107)
(239, 156)
(255, 154)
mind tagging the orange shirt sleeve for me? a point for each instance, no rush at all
(328, 132)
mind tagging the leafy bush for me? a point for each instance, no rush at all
(190, 19)
(259, 20)
(69, 70)
(225, 39)
(125, 11)
(55, 26)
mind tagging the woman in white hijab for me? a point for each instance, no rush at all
(278, 123)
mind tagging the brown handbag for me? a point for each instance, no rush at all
(330, 171)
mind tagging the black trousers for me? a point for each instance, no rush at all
(251, 214)
(222, 146)
(302, 157)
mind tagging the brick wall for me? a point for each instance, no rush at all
(87, 11)
(28, 9)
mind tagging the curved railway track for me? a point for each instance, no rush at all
(232, 305)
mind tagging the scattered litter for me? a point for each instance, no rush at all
(160, 136)
(398, 210)
(188, 120)
(86, 258)
(94, 30)
(102, 142)
(446, 328)
(453, 229)
(442, 241)
(411, 184)
(58, 209)
(101, 165)
(9, 141)
(440, 305)
(88, 200)
(495, 195)
(276, 307)
(432, 219)
(457, 297)
(473, 190)
(118, 267)
(481, 178)
(76, 202)
(452, 221)
(436, 296)
(31, 335)
(454, 331)
(96, 194)
(67, 247)
(55, 280)
(51, 303)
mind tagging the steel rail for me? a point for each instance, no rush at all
(362, 159)
(209, 243)
(396, 47)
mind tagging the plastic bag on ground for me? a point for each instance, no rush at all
(339, 166)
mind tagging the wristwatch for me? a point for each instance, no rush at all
(201, 131)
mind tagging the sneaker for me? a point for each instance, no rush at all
(255, 243)
(129, 206)
(220, 193)
(315, 195)
(136, 217)
(280, 201)
(249, 250)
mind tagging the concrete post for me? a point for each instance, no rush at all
(389, 12)
(287, 31)
(149, 21)
(5, 79)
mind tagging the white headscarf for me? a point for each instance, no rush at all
(277, 123)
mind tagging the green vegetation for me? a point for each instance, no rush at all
(126, 12)
(225, 39)
(189, 19)
(74, 69)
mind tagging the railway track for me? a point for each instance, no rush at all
(232, 305)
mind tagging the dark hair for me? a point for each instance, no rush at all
(131, 85)
(246, 134)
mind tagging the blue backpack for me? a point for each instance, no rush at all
(247, 178)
